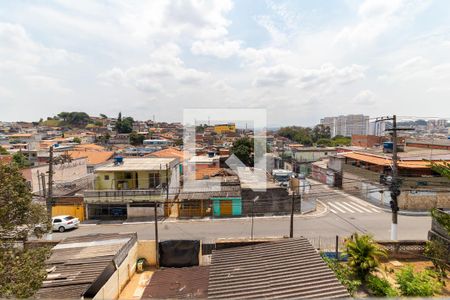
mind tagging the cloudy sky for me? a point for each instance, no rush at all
(301, 60)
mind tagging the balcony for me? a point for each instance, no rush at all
(124, 196)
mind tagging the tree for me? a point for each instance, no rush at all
(21, 270)
(20, 160)
(103, 116)
(19, 215)
(77, 140)
(320, 132)
(324, 142)
(136, 139)
(124, 125)
(3, 151)
(363, 255)
(243, 149)
(340, 140)
(438, 253)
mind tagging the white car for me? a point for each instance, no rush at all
(61, 223)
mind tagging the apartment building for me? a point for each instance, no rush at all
(347, 125)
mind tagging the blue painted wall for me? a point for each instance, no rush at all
(236, 209)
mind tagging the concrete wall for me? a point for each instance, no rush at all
(147, 249)
(67, 172)
(144, 211)
(118, 281)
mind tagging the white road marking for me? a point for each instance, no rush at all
(336, 207)
(344, 207)
(333, 211)
(352, 206)
(361, 207)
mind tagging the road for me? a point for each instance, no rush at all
(345, 215)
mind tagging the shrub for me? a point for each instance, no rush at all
(438, 253)
(363, 255)
(344, 274)
(380, 287)
(417, 284)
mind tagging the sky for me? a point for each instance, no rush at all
(299, 60)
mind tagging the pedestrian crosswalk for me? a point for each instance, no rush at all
(349, 206)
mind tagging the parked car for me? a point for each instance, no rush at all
(62, 223)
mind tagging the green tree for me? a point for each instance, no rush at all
(103, 116)
(124, 125)
(19, 215)
(77, 140)
(3, 151)
(320, 132)
(340, 140)
(363, 255)
(243, 149)
(21, 270)
(136, 139)
(324, 142)
(20, 160)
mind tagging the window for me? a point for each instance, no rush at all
(128, 175)
(153, 180)
(57, 221)
(106, 177)
(69, 218)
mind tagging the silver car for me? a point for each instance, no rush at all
(61, 223)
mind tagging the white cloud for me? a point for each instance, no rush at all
(223, 49)
(376, 17)
(365, 97)
(165, 68)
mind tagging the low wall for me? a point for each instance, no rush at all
(404, 249)
(117, 282)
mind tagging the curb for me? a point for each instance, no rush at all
(297, 216)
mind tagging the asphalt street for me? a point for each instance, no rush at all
(344, 215)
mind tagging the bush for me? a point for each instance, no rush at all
(438, 253)
(380, 287)
(417, 284)
(344, 274)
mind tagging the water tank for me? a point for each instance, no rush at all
(118, 160)
(388, 147)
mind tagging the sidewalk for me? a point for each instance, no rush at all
(320, 211)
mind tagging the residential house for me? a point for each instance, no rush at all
(130, 187)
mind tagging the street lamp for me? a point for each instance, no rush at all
(253, 215)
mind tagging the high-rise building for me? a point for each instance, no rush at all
(347, 125)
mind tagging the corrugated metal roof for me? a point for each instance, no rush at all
(288, 268)
(173, 283)
(79, 261)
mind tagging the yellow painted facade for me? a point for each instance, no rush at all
(76, 210)
(224, 128)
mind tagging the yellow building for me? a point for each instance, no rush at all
(224, 128)
(130, 187)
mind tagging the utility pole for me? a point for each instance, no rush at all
(49, 201)
(49, 198)
(156, 235)
(291, 232)
(395, 182)
(395, 191)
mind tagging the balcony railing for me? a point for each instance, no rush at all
(122, 193)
